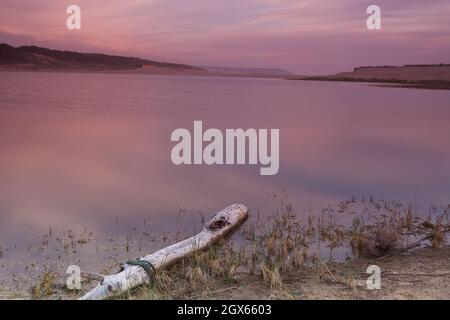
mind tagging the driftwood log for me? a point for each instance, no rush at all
(215, 229)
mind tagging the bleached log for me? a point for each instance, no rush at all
(215, 229)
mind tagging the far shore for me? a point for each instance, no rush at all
(439, 81)
(391, 83)
(408, 76)
(142, 71)
(33, 58)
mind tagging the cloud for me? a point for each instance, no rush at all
(305, 36)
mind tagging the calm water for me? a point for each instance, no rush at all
(95, 148)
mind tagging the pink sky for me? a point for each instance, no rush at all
(306, 37)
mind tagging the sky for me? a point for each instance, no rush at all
(303, 36)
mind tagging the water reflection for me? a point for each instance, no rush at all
(95, 145)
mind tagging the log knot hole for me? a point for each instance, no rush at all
(218, 223)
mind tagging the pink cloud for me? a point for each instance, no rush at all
(304, 36)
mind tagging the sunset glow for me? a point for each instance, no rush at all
(302, 36)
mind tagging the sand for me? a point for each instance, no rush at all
(423, 274)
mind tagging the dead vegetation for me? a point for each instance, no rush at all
(272, 250)
(46, 286)
(276, 248)
(376, 240)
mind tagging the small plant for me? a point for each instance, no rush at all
(436, 232)
(374, 241)
(351, 283)
(162, 281)
(271, 276)
(46, 285)
(197, 277)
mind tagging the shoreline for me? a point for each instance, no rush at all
(387, 83)
(391, 83)
(421, 76)
(144, 71)
(423, 273)
(289, 256)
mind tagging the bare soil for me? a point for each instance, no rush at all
(422, 274)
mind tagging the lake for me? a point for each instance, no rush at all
(93, 149)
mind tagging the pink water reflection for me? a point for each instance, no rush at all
(98, 145)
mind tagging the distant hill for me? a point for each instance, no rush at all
(258, 72)
(420, 72)
(432, 76)
(32, 57)
(403, 73)
(39, 58)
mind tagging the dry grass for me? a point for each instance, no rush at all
(375, 240)
(271, 249)
(284, 243)
(46, 286)
(281, 245)
(394, 227)
(271, 276)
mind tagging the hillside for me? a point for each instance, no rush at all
(32, 57)
(430, 76)
(404, 73)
